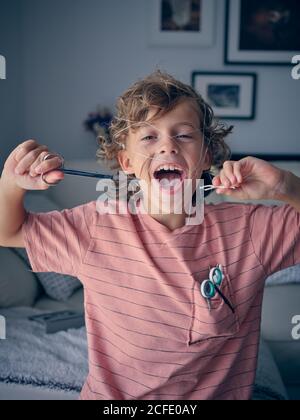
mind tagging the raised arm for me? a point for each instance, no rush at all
(22, 172)
(256, 179)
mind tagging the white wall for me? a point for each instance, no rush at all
(10, 89)
(78, 53)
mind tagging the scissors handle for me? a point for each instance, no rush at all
(212, 187)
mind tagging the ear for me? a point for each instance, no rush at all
(125, 162)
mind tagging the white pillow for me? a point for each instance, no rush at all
(18, 285)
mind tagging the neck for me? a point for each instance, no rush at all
(171, 221)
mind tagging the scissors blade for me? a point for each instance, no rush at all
(85, 174)
(90, 174)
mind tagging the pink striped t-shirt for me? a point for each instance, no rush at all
(150, 332)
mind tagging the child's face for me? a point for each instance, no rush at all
(174, 140)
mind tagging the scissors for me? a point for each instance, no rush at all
(74, 171)
(85, 174)
(212, 187)
(102, 176)
(209, 288)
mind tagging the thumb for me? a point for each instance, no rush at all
(53, 177)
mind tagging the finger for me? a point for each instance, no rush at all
(24, 148)
(41, 166)
(216, 181)
(223, 191)
(39, 160)
(224, 180)
(237, 172)
(229, 172)
(228, 191)
(28, 143)
(24, 165)
(53, 177)
(49, 165)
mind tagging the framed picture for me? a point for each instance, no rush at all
(231, 95)
(182, 22)
(262, 31)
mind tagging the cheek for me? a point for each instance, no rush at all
(140, 153)
(196, 154)
(196, 159)
(142, 168)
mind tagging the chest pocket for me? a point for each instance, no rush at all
(215, 318)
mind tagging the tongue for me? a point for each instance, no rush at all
(169, 180)
(169, 176)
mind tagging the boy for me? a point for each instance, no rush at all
(157, 328)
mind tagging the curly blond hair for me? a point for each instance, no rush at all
(161, 91)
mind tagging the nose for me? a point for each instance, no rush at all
(168, 145)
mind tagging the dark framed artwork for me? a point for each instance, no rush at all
(231, 95)
(181, 23)
(262, 32)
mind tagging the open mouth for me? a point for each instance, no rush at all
(169, 177)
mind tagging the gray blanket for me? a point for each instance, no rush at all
(30, 357)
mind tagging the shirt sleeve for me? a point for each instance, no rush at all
(275, 234)
(58, 241)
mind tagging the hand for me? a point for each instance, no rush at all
(26, 164)
(253, 178)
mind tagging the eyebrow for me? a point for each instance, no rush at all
(145, 124)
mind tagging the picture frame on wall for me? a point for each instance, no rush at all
(262, 32)
(180, 23)
(231, 95)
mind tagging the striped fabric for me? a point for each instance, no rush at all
(150, 333)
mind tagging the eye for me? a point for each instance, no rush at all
(148, 138)
(183, 136)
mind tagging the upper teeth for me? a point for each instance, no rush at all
(168, 168)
